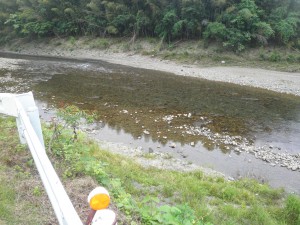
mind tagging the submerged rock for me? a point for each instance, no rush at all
(146, 132)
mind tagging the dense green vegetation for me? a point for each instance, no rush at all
(236, 24)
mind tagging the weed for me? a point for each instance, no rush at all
(262, 55)
(58, 43)
(149, 156)
(100, 43)
(37, 191)
(167, 156)
(275, 57)
(137, 47)
(7, 198)
(72, 40)
(292, 58)
(292, 210)
(126, 47)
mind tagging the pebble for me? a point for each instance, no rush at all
(294, 168)
(172, 145)
(184, 156)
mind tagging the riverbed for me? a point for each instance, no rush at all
(237, 130)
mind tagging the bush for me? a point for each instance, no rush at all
(215, 31)
(286, 29)
(275, 57)
(291, 58)
(236, 39)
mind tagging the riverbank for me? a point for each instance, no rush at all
(283, 82)
(143, 194)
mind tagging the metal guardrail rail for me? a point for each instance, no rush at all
(23, 108)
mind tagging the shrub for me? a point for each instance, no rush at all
(215, 31)
(275, 57)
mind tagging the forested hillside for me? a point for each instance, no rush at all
(236, 24)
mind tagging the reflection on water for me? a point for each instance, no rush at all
(154, 108)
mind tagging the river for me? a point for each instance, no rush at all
(238, 130)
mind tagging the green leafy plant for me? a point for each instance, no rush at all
(72, 115)
(275, 57)
(37, 191)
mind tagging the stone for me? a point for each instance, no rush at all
(146, 132)
(230, 179)
(172, 145)
(294, 168)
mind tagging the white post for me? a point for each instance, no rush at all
(28, 104)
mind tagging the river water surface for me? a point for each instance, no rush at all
(207, 123)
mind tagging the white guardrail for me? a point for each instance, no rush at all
(22, 106)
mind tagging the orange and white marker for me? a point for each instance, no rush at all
(99, 200)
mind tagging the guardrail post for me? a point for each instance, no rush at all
(28, 104)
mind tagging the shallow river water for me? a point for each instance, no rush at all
(230, 128)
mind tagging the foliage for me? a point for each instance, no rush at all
(71, 116)
(286, 29)
(236, 24)
(215, 31)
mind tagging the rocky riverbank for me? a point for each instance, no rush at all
(273, 155)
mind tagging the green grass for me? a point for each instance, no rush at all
(7, 200)
(18, 205)
(150, 195)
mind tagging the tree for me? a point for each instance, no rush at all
(165, 28)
